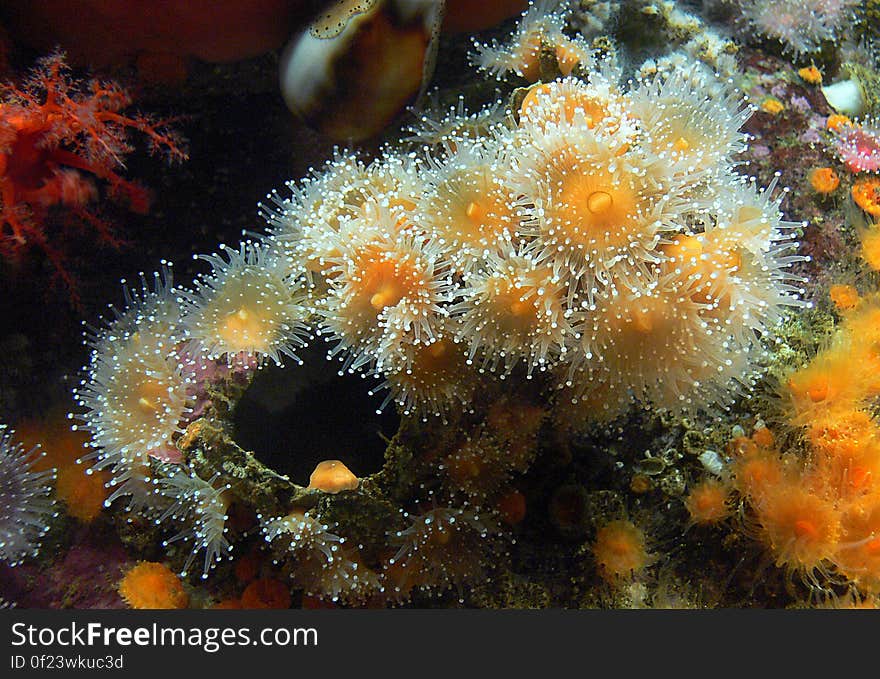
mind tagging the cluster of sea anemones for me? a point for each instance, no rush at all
(594, 234)
(148, 367)
(592, 237)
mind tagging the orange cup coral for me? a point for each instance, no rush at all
(152, 585)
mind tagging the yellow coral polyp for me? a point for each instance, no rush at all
(772, 105)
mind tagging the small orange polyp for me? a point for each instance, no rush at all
(332, 476)
(866, 194)
(824, 180)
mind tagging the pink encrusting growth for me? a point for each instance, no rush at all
(60, 140)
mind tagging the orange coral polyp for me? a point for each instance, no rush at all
(845, 297)
(801, 528)
(828, 382)
(83, 493)
(824, 180)
(151, 585)
(266, 593)
(755, 474)
(866, 194)
(836, 120)
(858, 556)
(708, 502)
(430, 377)
(620, 551)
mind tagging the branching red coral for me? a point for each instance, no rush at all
(58, 135)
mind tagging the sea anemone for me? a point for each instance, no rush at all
(709, 502)
(428, 377)
(592, 213)
(478, 466)
(317, 203)
(442, 547)
(540, 25)
(301, 534)
(598, 105)
(322, 564)
(514, 310)
(135, 393)
(443, 131)
(384, 286)
(248, 306)
(201, 507)
(692, 122)
(620, 550)
(800, 25)
(466, 205)
(656, 345)
(738, 264)
(26, 505)
(802, 529)
(858, 145)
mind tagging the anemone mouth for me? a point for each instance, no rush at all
(594, 209)
(469, 209)
(292, 419)
(139, 407)
(245, 329)
(689, 140)
(383, 281)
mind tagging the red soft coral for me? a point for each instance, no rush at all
(62, 139)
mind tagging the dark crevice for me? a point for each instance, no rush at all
(292, 418)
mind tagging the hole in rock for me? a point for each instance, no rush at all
(292, 418)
